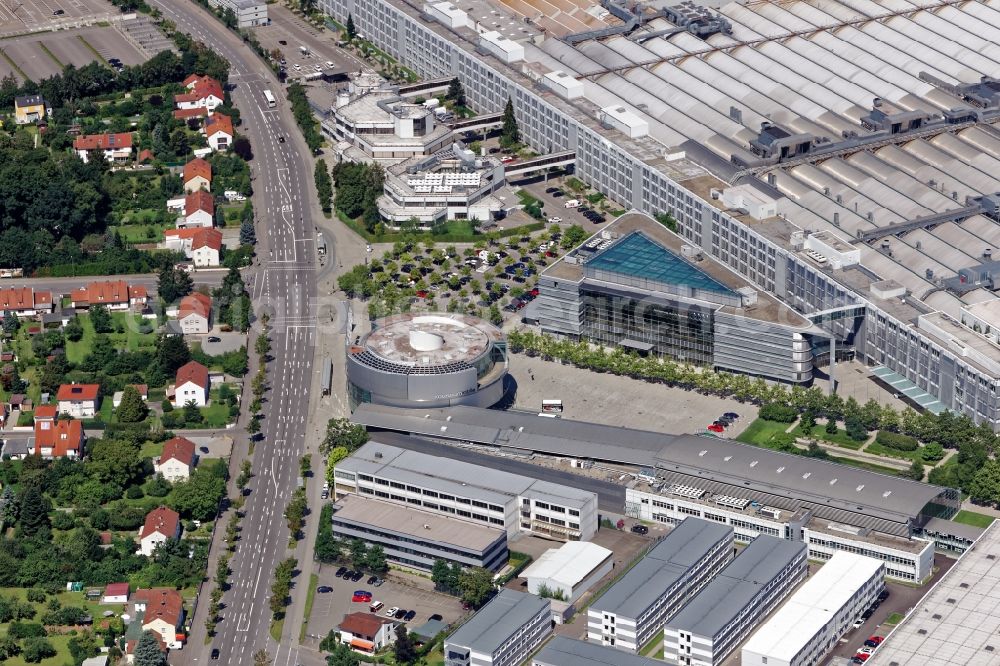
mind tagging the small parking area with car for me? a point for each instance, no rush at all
(399, 590)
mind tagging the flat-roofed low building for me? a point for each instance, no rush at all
(719, 617)
(632, 610)
(503, 633)
(471, 493)
(564, 651)
(416, 539)
(568, 571)
(822, 610)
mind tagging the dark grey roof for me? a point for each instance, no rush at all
(15, 447)
(428, 629)
(666, 563)
(497, 621)
(736, 586)
(29, 100)
(834, 491)
(563, 651)
(950, 527)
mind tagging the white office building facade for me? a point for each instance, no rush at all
(640, 181)
(477, 494)
(814, 619)
(728, 608)
(910, 560)
(633, 610)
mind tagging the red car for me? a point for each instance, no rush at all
(863, 656)
(874, 641)
(534, 292)
(361, 596)
(716, 428)
(421, 294)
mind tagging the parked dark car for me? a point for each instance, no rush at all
(400, 614)
(372, 579)
(640, 529)
(436, 617)
(357, 576)
(409, 616)
(340, 572)
(323, 589)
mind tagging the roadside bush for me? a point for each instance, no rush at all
(895, 441)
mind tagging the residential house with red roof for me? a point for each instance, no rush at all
(162, 612)
(57, 439)
(113, 294)
(115, 593)
(194, 313)
(203, 92)
(203, 246)
(161, 525)
(191, 385)
(197, 175)
(219, 131)
(80, 401)
(177, 460)
(114, 147)
(366, 632)
(145, 156)
(25, 301)
(199, 210)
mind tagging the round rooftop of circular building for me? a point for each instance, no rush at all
(428, 360)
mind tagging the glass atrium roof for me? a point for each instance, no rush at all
(638, 256)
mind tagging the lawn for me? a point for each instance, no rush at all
(130, 337)
(654, 648)
(839, 438)
(761, 431)
(880, 450)
(973, 518)
(60, 643)
(310, 597)
(895, 618)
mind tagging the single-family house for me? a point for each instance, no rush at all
(113, 294)
(30, 109)
(141, 389)
(129, 653)
(219, 131)
(199, 210)
(161, 525)
(115, 593)
(366, 632)
(25, 301)
(197, 175)
(194, 313)
(80, 401)
(188, 114)
(162, 612)
(202, 245)
(114, 147)
(57, 439)
(177, 460)
(203, 92)
(191, 385)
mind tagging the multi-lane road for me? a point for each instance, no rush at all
(283, 284)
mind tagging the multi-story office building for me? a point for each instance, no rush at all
(448, 185)
(373, 122)
(249, 13)
(563, 651)
(823, 125)
(503, 633)
(730, 606)
(640, 286)
(633, 610)
(755, 491)
(415, 538)
(471, 493)
(813, 619)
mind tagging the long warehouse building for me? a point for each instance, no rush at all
(840, 157)
(830, 507)
(820, 612)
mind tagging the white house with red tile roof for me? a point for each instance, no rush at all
(177, 460)
(219, 131)
(194, 313)
(80, 401)
(114, 147)
(25, 301)
(203, 92)
(203, 246)
(114, 294)
(115, 593)
(57, 439)
(199, 210)
(192, 385)
(162, 612)
(197, 175)
(161, 525)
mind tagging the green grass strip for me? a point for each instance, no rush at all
(10, 61)
(92, 49)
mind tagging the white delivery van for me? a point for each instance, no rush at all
(572, 203)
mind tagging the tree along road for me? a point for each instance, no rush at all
(285, 286)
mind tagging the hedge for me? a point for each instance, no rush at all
(896, 441)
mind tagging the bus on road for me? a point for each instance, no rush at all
(271, 102)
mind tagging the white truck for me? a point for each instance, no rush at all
(572, 203)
